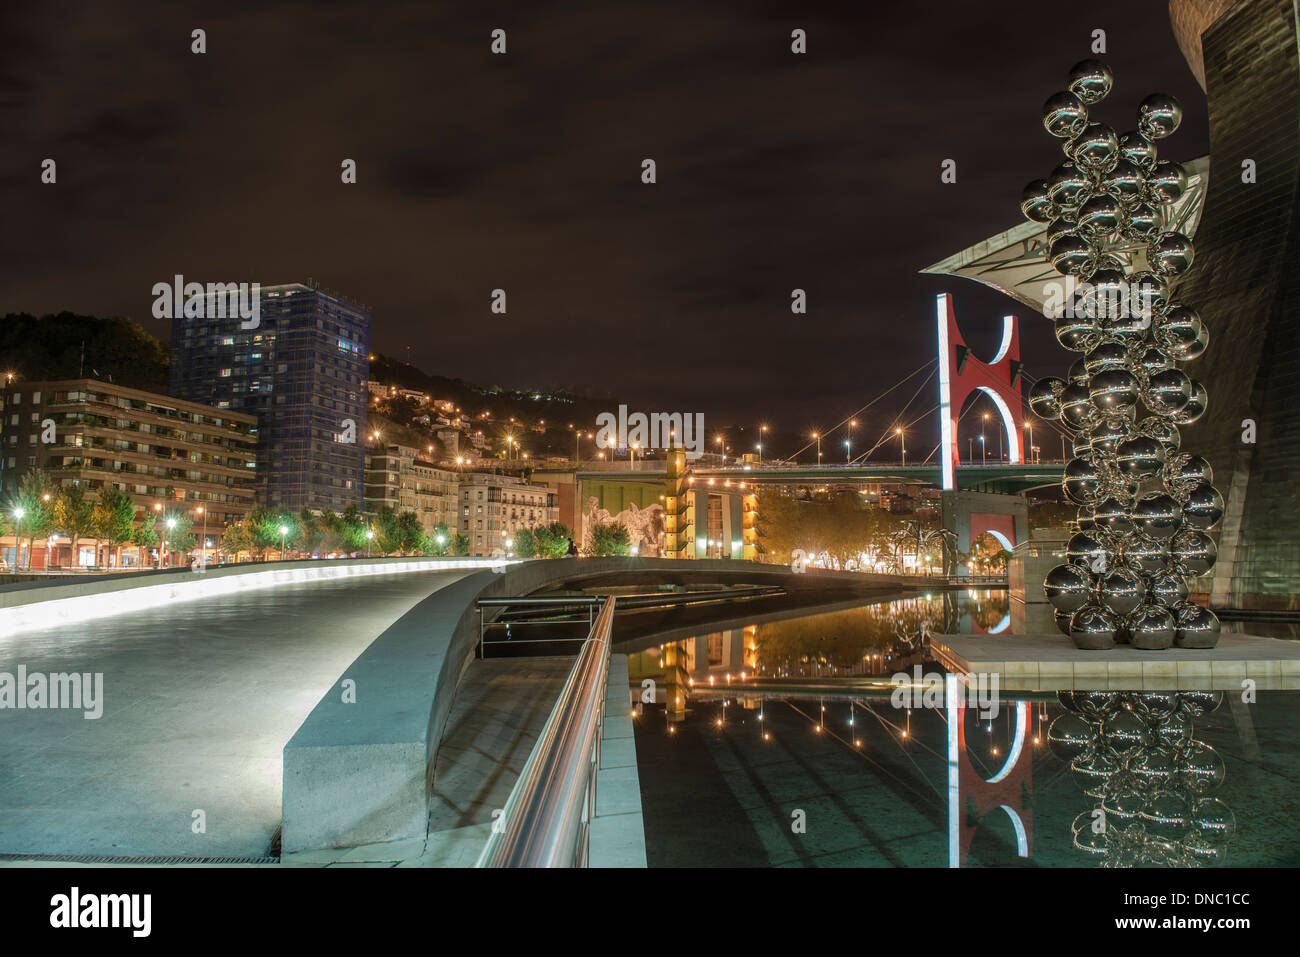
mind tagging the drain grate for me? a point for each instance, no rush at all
(90, 859)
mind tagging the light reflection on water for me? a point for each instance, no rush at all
(882, 780)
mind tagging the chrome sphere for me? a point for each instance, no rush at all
(1062, 619)
(1081, 481)
(1123, 731)
(1113, 389)
(1159, 115)
(1105, 293)
(1157, 515)
(1198, 627)
(1152, 627)
(1108, 434)
(1197, 703)
(1107, 355)
(1093, 628)
(1085, 518)
(1064, 115)
(1163, 431)
(1177, 330)
(1143, 222)
(1090, 81)
(1096, 148)
(1185, 472)
(1213, 821)
(1202, 768)
(1099, 217)
(1139, 457)
(1166, 182)
(1060, 225)
(1112, 516)
(1077, 410)
(1193, 550)
(1196, 348)
(1170, 254)
(1071, 255)
(1131, 329)
(1068, 587)
(1147, 555)
(1085, 550)
(1154, 707)
(1075, 330)
(1069, 736)
(1149, 294)
(1154, 766)
(1168, 588)
(1166, 815)
(1203, 508)
(1045, 397)
(1195, 407)
(1068, 186)
(1035, 203)
(1137, 149)
(1168, 392)
(1122, 591)
(1125, 182)
(1077, 374)
(1152, 360)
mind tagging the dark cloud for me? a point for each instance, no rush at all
(522, 172)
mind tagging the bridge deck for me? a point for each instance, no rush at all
(199, 700)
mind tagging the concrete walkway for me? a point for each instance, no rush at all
(199, 700)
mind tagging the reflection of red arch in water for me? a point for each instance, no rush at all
(970, 791)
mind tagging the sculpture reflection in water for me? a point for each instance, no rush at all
(1154, 783)
(1145, 506)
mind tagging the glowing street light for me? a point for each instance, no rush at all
(818, 437)
(903, 440)
(284, 532)
(204, 560)
(370, 537)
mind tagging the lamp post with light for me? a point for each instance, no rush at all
(284, 534)
(818, 437)
(171, 524)
(902, 438)
(203, 560)
(370, 537)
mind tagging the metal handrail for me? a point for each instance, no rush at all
(547, 817)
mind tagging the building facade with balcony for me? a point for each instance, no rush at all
(398, 477)
(494, 507)
(162, 451)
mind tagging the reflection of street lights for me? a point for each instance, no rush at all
(284, 532)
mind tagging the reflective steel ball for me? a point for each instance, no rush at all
(1195, 407)
(1198, 627)
(1139, 457)
(1203, 508)
(1157, 515)
(1045, 397)
(1064, 115)
(1159, 115)
(1090, 81)
(1122, 591)
(1093, 628)
(1168, 392)
(1068, 587)
(1113, 389)
(1151, 627)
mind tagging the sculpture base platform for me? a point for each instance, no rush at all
(1052, 663)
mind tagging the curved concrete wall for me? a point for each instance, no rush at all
(358, 770)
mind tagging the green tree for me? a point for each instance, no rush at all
(113, 519)
(610, 539)
(237, 538)
(146, 536)
(175, 530)
(410, 533)
(388, 534)
(460, 545)
(351, 530)
(35, 499)
(552, 540)
(441, 541)
(526, 543)
(73, 516)
(313, 531)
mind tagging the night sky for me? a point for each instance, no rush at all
(522, 171)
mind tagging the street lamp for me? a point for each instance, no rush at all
(370, 536)
(818, 437)
(1030, 427)
(761, 430)
(853, 424)
(983, 451)
(903, 440)
(171, 524)
(203, 562)
(284, 532)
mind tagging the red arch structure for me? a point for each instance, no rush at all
(960, 374)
